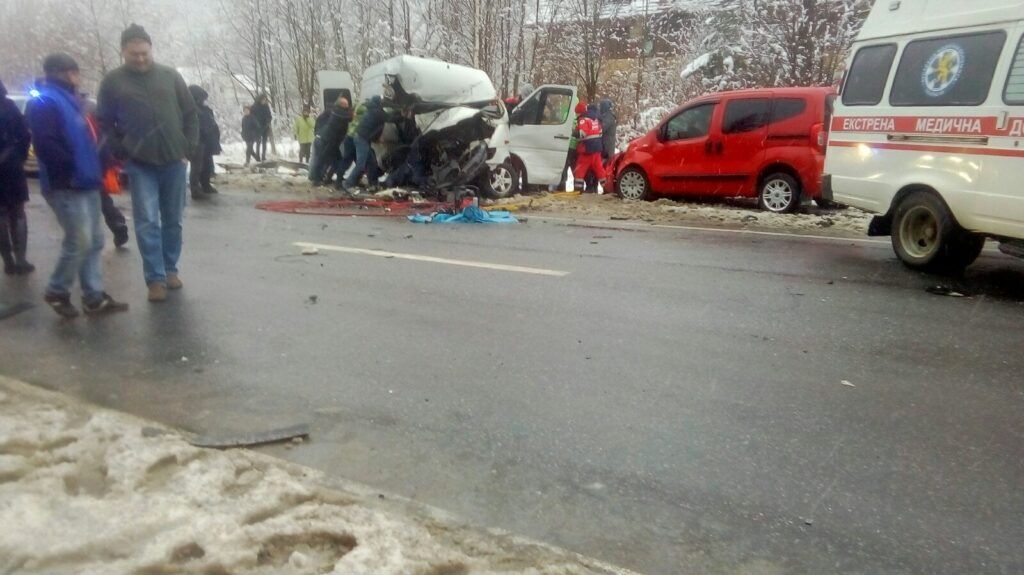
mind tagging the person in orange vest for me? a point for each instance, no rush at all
(588, 150)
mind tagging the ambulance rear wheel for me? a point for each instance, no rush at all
(926, 237)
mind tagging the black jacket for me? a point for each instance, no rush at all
(209, 131)
(250, 128)
(14, 142)
(332, 132)
(372, 124)
(263, 115)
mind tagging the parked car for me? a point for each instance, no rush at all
(928, 129)
(32, 164)
(768, 144)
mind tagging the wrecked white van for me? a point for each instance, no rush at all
(461, 105)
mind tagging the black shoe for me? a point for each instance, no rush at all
(105, 305)
(62, 305)
(210, 190)
(23, 268)
(120, 236)
(10, 268)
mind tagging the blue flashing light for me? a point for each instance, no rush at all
(34, 93)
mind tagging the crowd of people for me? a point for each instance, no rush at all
(148, 124)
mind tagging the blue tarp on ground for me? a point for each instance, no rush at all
(470, 215)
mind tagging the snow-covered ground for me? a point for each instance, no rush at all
(833, 222)
(86, 490)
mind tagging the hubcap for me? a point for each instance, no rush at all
(632, 186)
(919, 232)
(778, 195)
(501, 181)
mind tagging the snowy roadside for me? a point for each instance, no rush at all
(87, 490)
(729, 214)
(846, 222)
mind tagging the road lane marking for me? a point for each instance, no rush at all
(432, 259)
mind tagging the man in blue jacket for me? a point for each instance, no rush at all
(70, 177)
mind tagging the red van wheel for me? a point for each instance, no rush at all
(779, 193)
(633, 185)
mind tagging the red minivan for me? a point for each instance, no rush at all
(769, 144)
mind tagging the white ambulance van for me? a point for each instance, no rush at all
(928, 131)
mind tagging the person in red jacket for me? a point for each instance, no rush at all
(588, 150)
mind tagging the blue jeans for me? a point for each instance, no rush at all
(348, 156)
(366, 163)
(158, 201)
(78, 213)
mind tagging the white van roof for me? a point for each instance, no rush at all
(901, 17)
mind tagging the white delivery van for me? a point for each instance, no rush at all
(334, 83)
(529, 145)
(928, 130)
(536, 142)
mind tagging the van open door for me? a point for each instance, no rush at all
(334, 83)
(539, 132)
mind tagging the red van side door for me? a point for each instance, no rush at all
(739, 142)
(682, 159)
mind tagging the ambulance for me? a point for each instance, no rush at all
(928, 129)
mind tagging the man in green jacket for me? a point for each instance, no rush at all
(305, 133)
(149, 120)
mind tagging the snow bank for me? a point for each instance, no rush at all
(90, 491)
(839, 222)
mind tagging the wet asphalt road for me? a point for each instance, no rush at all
(674, 404)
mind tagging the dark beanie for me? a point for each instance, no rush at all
(59, 63)
(135, 32)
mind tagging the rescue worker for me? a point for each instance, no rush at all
(588, 151)
(570, 158)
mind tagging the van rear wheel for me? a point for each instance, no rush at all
(779, 193)
(926, 237)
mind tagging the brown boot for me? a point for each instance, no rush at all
(157, 292)
(174, 282)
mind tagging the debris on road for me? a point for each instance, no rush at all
(847, 383)
(310, 251)
(252, 439)
(946, 291)
(470, 215)
(312, 299)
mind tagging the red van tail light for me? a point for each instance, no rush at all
(819, 136)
